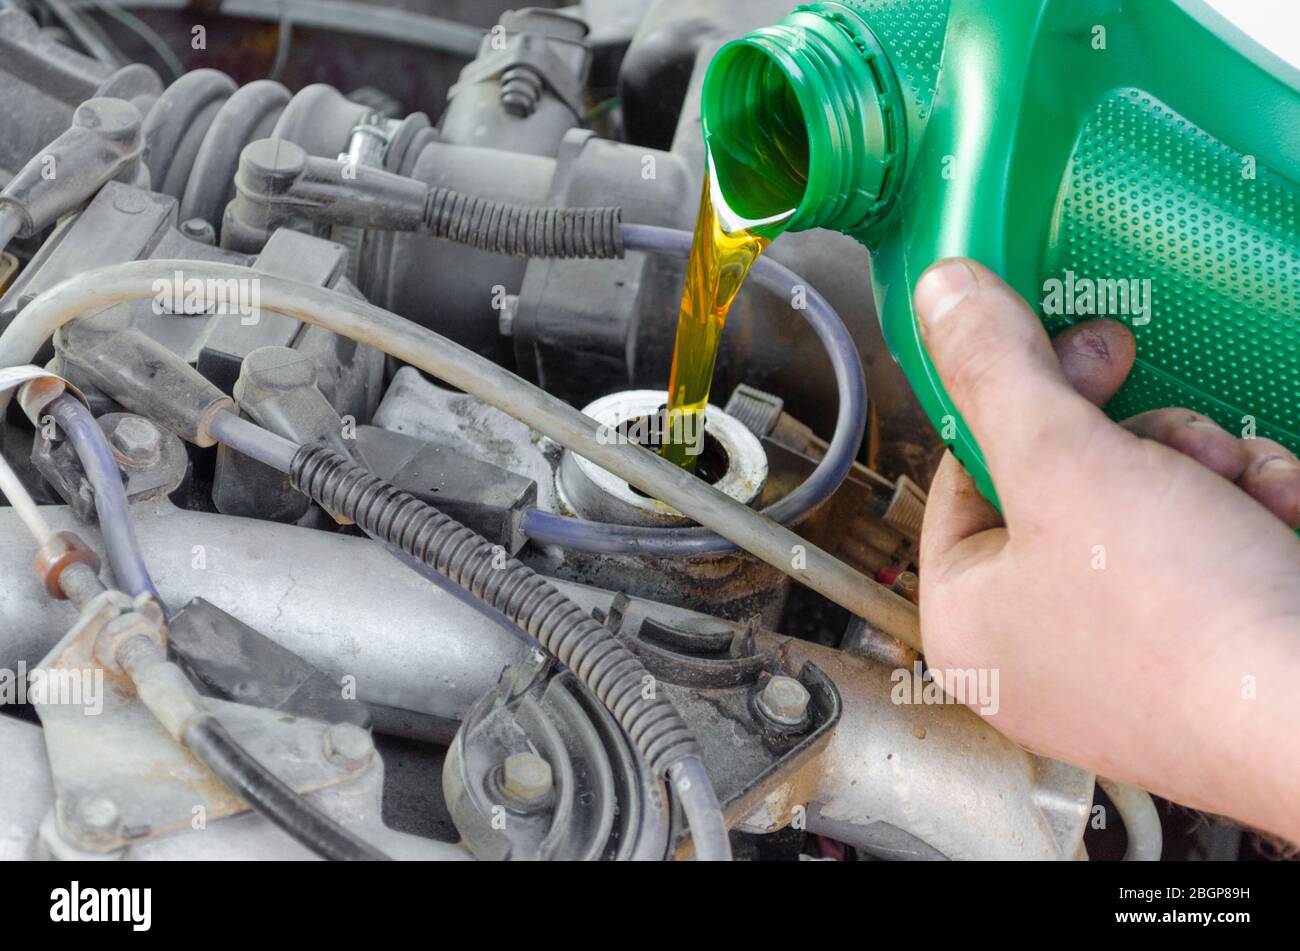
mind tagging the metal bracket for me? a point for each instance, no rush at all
(119, 776)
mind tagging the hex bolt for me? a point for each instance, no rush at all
(526, 778)
(906, 584)
(137, 441)
(785, 701)
(348, 746)
(98, 814)
(196, 229)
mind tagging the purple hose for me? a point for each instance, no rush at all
(92, 448)
(549, 528)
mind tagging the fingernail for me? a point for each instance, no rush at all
(940, 289)
(1197, 423)
(1091, 344)
(1277, 464)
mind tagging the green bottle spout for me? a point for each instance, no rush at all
(806, 115)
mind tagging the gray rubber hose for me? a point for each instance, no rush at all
(95, 290)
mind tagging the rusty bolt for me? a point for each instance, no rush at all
(785, 701)
(348, 746)
(137, 441)
(526, 778)
(142, 617)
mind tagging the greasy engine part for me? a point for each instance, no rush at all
(229, 659)
(279, 185)
(516, 749)
(539, 753)
(297, 633)
(522, 595)
(125, 223)
(735, 585)
(432, 657)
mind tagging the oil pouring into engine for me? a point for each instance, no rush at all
(723, 249)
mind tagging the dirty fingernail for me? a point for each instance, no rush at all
(942, 288)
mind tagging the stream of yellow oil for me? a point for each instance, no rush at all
(717, 267)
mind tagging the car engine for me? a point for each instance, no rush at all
(333, 333)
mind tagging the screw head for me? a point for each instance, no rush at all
(348, 746)
(137, 441)
(526, 778)
(785, 701)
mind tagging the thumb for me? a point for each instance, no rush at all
(998, 366)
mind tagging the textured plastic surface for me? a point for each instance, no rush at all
(1132, 160)
(1223, 334)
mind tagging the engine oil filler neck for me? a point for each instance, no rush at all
(733, 460)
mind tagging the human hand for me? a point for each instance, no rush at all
(1141, 598)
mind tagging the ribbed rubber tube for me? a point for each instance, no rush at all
(690, 781)
(524, 230)
(611, 671)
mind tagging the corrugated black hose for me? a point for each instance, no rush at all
(613, 673)
(437, 543)
(524, 230)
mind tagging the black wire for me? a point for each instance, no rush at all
(256, 785)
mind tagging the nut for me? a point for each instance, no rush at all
(526, 778)
(785, 701)
(144, 619)
(62, 549)
(349, 746)
(136, 441)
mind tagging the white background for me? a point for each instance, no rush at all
(1274, 24)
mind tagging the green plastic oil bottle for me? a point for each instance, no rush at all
(1135, 159)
